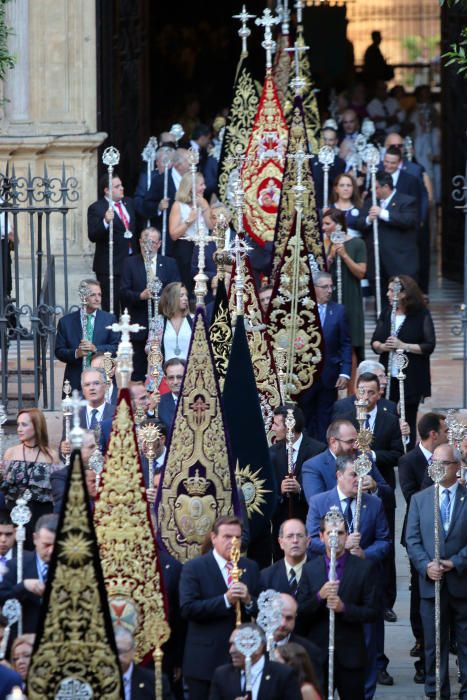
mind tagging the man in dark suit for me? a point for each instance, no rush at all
(319, 473)
(7, 540)
(343, 406)
(154, 202)
(173, 372)
(100, 214)
(317, 402)
(353, 597)
(284, 575)
(83, 333)
(208, 599)
(138, 682)
(397, 218)
(134, 292)
(269, 680)
(59, 477)
(451, 569)
(329, 139)
(412, 474)
(30, 590)
(292, 502)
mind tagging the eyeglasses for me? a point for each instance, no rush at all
(347, 442)
(89, 384)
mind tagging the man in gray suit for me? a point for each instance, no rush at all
(451, 570)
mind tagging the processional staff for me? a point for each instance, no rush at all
(371, 157)
(111, 158)
(267, 21)
(290, 439)
(335, 519)
(298, 82)
(20, 516)
(361, 406)
(248, 641)
(270, 606)
(12, 611)
(125, 348)
(244, 32)
(337, 237)
(166, 162)
(396, 290)
(401, 361)
(326, 157)
(149, 156)
(236, 573)
(437, 472)
(149, 434)
(83, 293)
(239, 249)
(67, 409)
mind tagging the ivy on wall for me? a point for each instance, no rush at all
(7, 61)
(457, 56)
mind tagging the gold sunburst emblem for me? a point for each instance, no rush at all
(252, 487)
(76, 549)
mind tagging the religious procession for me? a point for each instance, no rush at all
(210, 513)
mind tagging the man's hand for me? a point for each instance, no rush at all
(358, 552)
(328, 589)
(163, 204)
(84, 347)
(368, 483)
(109, 216)
(335, 603)
(33, 585)
(151, 495)
(290, 485)
(342, 383)
(145, 294)
(434, 571)
(238, 592)
(374, 212)
(446, 564)
(353, 540)
(405, 427)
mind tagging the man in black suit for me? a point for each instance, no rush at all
(173, 372)
(154, 202)
(100, 214)
(138, 682)
(269, 680)
(329, 135)
(353, 597)
(412, 473)
(397, 218)
(403, 181)
(7, 541)
(386, 449)
(208, 599)
(285, 575)
(134, 292)
(30, 590)
(292, 502)
(58, 478)
(83, 333)
(343, 406)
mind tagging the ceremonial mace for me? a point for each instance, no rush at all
(396, 290)
(361, 405)
(67, 409)
(108, 365)
(401, 361)
(270, 617)
(222, 256)
(149, 156)
(236, 573)
(244, 32)
(326, 157)
(338, 237)
(290, 425)
(111, 158)
(167, 162)
(437, 471)
(248, 641)
(149, 435)
(125, 348)
(333, 518)
(12, 611)
(362, 467)
(155, 360)
(371, 157)
(83, 293)
(20, 516)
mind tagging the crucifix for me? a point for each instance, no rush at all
(298, 82)
(267, 21)
(111, 158)
(201, 239)
(299, 157)
(239, 249)
(244, 32)
(125, 349)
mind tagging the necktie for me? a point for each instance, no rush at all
(125, 221)
(293, 583)
(229, 567)
(445, 507)
(348, 515)
(44, 571)
(89, 319)
(367, 421)
(322, 313)
(93, 423)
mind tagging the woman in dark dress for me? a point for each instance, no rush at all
(414, 332)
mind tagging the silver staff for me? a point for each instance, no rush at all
(362, 467)
(298, 82)
(166, 162)
(67, 409)
(326, 157)
(83, 293)
(20, 516)
(437, 472)
(3, 420)
(338, 236)
(290, 425)
(125, 348)
(401, 361)
(267, 21)
(396, 290)
(111, 158)
(361, 406)
(247, 641)
(244, 32)
(96, 463)
(176, 130)
(149, 156)
(12, 611)
(451, 424)
(270, 606)
(372, 157)
(193, 157)
(333, 518)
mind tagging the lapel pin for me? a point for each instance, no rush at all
(141, 685)
(268, 678)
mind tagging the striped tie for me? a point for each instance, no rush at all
(293, 583)
(44, 571)
(229, 567)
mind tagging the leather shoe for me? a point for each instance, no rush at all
(419, 676)
(390, 615)
(417, 649)
(453, 648)
(384, 678)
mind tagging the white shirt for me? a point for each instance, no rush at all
(426, 453)
(176, 177)
(256, 676)
(125, 211)
(127, 681)
(296, 447)
(99, 414)
(177, 341)
(296, 567)
(372, 417)
(222, 564)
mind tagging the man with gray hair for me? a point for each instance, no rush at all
(343, 406)
(317, 401)
(154, 202)
(138, 682)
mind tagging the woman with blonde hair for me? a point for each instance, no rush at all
(177, 325)
(21, 654)
(184, 222)
(29, 465)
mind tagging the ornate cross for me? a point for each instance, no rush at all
(244, 32)
(239, 249)
(297, 83)
(125, 349)
(267, 21)
(299, 157)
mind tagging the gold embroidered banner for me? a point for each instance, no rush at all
(220, 332)
(310, 103)
(298, 142)
(126, 539)
(294, 322)
(281, 69)
(263, 169)
(198, 482)
(75, 654)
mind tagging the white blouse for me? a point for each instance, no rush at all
(177, 344)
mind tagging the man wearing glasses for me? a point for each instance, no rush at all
(451, 569)
(317, 402)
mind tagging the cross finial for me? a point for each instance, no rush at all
(298, 82)
(299, 157)
(239, 199)
(267, 21)
(285, 18)
(149, 152)
(76, 433)
(201, 239)
(239, 249)
(111, 158)
(125, 348)
(244, 32)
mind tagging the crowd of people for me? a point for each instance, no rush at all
(154, 261)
